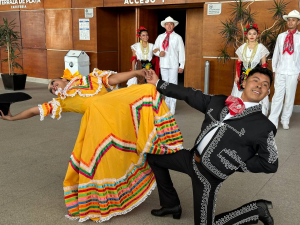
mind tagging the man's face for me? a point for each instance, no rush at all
(169, 26)
(256, 88)
(292, 23)
(57, 83)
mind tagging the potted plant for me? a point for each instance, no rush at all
(11, 40)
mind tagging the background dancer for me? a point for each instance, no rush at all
(286, 69)
(250, 55)
(169, 47)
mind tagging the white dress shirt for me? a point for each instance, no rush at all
(208, 136)
(286, 63)
(175, 54)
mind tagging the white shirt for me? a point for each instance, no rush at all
(208, 136)
(286, 63)
(175, 53)
(139, 51)
(261, 52)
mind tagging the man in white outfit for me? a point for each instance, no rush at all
(286, 69)
(169, 47)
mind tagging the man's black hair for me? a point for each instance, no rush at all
(262, 70)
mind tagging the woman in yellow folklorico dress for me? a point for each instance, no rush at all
(108, 173)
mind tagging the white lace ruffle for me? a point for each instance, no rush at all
(103, 219)
(55, 106)
(41, 112)
(109, 74)
(260, 53)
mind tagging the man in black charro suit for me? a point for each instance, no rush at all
(230, 140)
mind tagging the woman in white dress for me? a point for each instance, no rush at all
(142, 53)
(250, 55)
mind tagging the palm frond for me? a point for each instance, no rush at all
(223, 56)
(229, 31)
(238, 10)
(278, 9)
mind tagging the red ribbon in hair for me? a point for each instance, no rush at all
(235, 105)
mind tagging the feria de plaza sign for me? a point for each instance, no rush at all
(140, 1)
(18, 3)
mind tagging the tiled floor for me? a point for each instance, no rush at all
(34, 157)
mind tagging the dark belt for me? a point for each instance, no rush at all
(197, 156)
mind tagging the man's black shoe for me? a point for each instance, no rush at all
(175, 211)
(263, 212)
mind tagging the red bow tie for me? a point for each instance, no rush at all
(235, 105)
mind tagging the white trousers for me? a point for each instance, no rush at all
(284, 85)
(264, 103)
(170, 75)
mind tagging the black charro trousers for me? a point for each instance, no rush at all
(205, 190)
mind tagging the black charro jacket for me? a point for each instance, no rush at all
(245, 142)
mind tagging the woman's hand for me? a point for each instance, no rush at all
(7, 117)
(236, 79)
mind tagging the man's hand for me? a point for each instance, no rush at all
(180, 70)
(162, 54)
(152, 78)
(7, 117)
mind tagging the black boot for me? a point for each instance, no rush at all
(175, 211)
(263, 212)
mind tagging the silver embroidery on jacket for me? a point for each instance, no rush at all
(248, 111)
(237, 213)
(272, 148)
(233, 154)
(205, 196)
(249, 219)
(206, 156)
(164, 85)
(215, 201)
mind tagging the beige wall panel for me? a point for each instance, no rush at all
(86, 3)
(147, 19)
(4, 65)
(56, 4)
(107, 29)
(55, 63)
(193, 76)
(126, 39)
(221, 76)
(107, 61)
(212, 40)
(11, 15)
(86, 45)
(35, 62)
(33, 29)
(59, 29)
(93, 60)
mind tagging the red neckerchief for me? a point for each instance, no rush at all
(288, 45)
(165, 43)
(235, 105)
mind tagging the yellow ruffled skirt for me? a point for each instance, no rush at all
(108, 173)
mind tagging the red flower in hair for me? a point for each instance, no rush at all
(143, 28)
(249, 27)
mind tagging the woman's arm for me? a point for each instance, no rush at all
(122, 77)
(263, 60)
(238, 70)
(28, 113)
(133, 61)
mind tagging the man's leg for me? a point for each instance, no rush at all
(277, 100)
(165, 77)
(205, 190)
(290, 92)
(173, 78)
